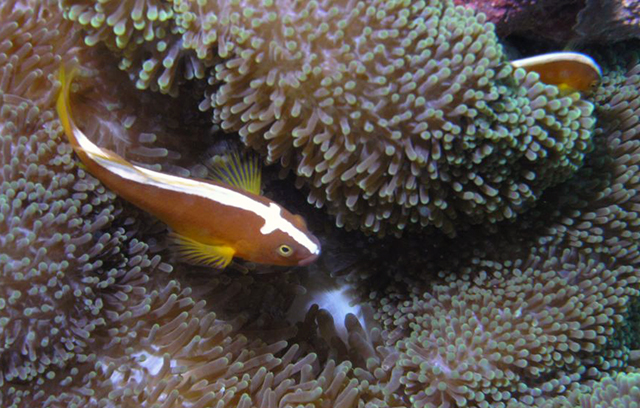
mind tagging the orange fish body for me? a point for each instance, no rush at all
(569, 71)
(212, 222)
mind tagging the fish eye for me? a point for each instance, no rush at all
(285, 250)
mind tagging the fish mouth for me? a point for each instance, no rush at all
(313, 255)
(308, 260)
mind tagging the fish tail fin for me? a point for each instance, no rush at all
(82, 145)
(62, 104)
(241, 170)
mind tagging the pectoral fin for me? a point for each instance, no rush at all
(216, 256)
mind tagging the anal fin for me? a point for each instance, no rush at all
(216, 256)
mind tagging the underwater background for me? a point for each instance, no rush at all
(480, 229)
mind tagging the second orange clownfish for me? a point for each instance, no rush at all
(212, 221)
(569, 71)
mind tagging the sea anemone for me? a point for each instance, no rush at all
(620, 391)
(404, 116)
(89, 315)
(141, 32)
(500, 332)
(67, 261)
(537, 308)
(121, 25)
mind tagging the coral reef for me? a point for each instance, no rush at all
(95, 312)
(551, 20)
(608, 21)
(562, 22)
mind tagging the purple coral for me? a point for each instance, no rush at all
(562, 21)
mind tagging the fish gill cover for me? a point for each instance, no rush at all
(95, 311)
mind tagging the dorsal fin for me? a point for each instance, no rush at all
(241, 171)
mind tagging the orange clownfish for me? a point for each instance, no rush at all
(212, 222)
(569, 71)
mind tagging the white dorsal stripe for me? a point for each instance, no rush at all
(271, 214)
